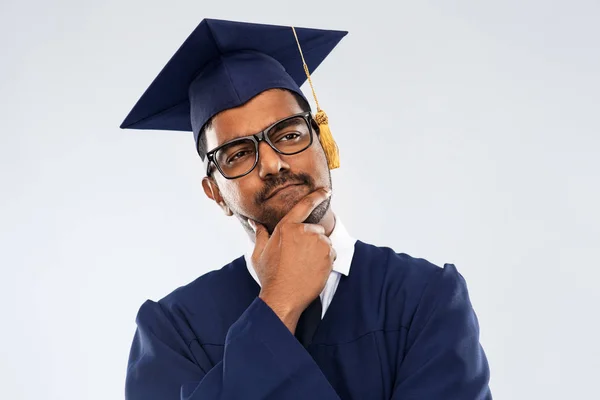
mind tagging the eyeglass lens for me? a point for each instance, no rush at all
(290, 136)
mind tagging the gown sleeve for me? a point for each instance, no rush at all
(443, 358)
(262, 360)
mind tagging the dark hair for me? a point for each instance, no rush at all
(304, 106)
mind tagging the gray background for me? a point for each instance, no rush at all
(481, 121)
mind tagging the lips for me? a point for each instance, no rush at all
(280, 188)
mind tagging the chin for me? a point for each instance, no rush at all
(315, 216)
(318, 213)
(273, 215)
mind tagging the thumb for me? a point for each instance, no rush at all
(261, 236)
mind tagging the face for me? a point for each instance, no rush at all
(251, 196)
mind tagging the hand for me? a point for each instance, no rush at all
(294, 263)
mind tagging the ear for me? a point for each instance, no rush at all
(211, 190)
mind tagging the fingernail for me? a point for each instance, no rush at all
(252, 225)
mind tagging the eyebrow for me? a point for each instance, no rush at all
(286, 123)
(279, 124)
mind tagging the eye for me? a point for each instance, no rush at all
(289, 136)
(238, 156)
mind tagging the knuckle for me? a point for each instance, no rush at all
(283, 229)
(309, 201)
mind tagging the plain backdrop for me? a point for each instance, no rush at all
(469, 133)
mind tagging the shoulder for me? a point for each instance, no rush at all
(409, 282)
(209, 285)
(394, 267)
(199, 296)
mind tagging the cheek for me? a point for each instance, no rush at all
(240, 195)
(318, 163)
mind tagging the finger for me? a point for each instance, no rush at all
(315, 228)
(333, 255)
(302, 210)
(327, 241)
(261, 236)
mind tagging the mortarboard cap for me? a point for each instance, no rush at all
(222, 65)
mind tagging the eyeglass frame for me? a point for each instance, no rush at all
(260, 137)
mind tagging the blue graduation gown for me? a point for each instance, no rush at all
(398, 328)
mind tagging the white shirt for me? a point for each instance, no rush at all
(343, 244)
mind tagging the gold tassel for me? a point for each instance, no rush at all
(327, 142)
(325, 137)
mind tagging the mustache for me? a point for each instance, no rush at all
(282, 179)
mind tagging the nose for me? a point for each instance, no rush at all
(269, 161)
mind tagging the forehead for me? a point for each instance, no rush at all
(254, 116)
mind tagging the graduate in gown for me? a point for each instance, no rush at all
(309, 312)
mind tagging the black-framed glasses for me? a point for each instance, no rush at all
(239, 157)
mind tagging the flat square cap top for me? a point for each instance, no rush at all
(222, 65)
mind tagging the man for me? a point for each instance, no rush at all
(309, 312)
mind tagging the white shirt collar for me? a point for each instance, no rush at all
(342, 242)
